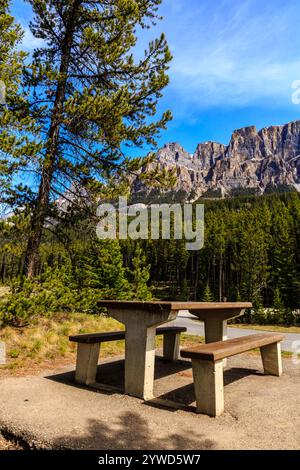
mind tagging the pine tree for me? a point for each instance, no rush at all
(278, 310)
(278, 302)
(98, 264)
(89, 96)
(285, 267)
(141, 275)
(207, 294)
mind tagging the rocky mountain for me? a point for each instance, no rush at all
(253, 162)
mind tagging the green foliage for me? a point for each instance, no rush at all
(98, 274)
(257, 314)
(252, 248)
(141, 275)
(278, 304)
(207, 294)
(18, 130)
(269, 316)
(98, 265)
(251, 252)
(52, 292)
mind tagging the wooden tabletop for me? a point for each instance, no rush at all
(170, 305)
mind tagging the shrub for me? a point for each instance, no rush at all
(54, 291)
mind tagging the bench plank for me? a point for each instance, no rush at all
(231, 347)
(91, 338)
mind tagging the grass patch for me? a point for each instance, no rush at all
(276, 328)
(45, 342)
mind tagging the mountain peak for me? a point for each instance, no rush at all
(252, 162)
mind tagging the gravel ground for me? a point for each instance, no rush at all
(49, 411)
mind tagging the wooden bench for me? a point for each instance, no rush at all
(89, 346)
(207, 364)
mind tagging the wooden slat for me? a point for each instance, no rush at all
(230, 347)
(98, 337)
(91, 338)
(167, 305)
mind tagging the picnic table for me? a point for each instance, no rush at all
(142, 318)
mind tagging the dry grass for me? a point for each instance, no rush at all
(45, 343)
(4, 290)
(276, 328)
(6, 444)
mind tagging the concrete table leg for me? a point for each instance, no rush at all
(139, 362)
(215, 324)
(215, 330)
(140, 347)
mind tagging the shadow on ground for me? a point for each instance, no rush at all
(173, 381)
(131, 431)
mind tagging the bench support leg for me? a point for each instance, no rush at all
(171, 346)
(208, 383)
(86, 363)
(271, 358)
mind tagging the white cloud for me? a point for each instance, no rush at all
(30, 42)
(231, 53)
(236, 54)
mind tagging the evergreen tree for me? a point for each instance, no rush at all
(258, 314)
(98, 264)
(88, 96)
(141, 275)
(207, 294)
(285, 268)
(277, 302)
(278, 310)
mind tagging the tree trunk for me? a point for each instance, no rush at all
(49, 166)
(196, 277)
(3, 269)
(221, 279)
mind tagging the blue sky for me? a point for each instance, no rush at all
(234, 64)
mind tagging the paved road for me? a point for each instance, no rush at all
(197, 328)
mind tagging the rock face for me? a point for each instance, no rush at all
(254, 161)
